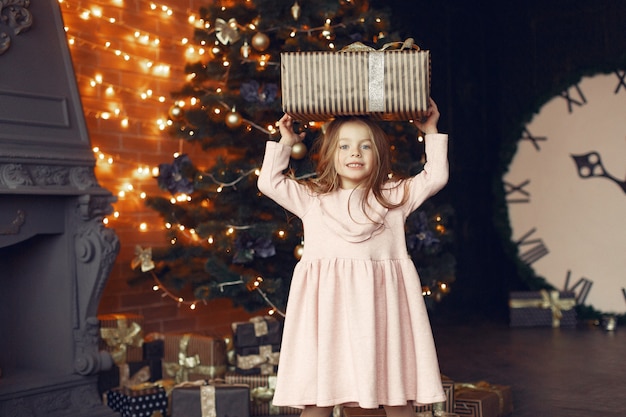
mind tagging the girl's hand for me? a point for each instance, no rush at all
(429, 123)
(288, 136)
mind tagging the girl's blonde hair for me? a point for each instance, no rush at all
(327, 179)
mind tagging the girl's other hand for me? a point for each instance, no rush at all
(429, 123)
(288, 136)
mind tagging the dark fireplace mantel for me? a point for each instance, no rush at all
(55, 252)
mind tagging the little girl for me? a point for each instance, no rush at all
(356, 328)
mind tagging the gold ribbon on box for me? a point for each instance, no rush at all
(459, 388)
(189, 364)
(266, 395)
(208, 401)
(549, 300)
(265, 360)
(120, 337)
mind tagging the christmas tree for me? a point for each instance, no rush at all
(226, 239)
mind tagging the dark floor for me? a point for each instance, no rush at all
(552, 372)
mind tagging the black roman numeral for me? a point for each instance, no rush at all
(579, 101)
(584, 284)
(535, 248)
(621, 76)
(526, 135)
(516, 193)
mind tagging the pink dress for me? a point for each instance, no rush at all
(356, 328)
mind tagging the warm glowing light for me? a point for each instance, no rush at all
(155, 288)
(143, 227)
(281, 233)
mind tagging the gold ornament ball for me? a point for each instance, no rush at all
(298, 150)
(260, 41)
(176, 112)
(298, 251)
(233, 119)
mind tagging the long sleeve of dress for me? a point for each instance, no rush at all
(272, 182)
(435, 174)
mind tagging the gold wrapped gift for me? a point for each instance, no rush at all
(190, 357)
(482, 399)
(122, 336)
(388, 84)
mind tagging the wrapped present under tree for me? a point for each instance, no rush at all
(542, 308)
(210, 400)
(261, 394)
(191, 357)
(257, 345)
(122, 336)
(482, 399)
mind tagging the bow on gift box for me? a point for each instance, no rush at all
(188, 364)
(121, 337)
(266, 394)
(265, 360)
(549, 300)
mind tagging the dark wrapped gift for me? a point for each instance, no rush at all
(219, 400)
(154, 349)
(481, 399)
(258, 360)
(260, 330)
(138, 402)
(128, 374)
(261, 394)
(543, 308)
(447, 405)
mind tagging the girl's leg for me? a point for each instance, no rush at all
(314, 411)
(400, 411)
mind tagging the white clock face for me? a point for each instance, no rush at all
(566, 190)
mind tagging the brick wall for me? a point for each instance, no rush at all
(94, 38)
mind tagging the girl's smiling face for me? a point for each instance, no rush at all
(354, 156)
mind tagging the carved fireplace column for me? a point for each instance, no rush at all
(55, 252)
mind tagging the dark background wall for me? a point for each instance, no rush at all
(493, 65)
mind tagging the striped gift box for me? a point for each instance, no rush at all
(261, 394)
(385, 85)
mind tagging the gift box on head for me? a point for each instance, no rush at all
(388, 84)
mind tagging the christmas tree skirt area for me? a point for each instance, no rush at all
(555, 372)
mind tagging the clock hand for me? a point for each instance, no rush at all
(590, 165)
